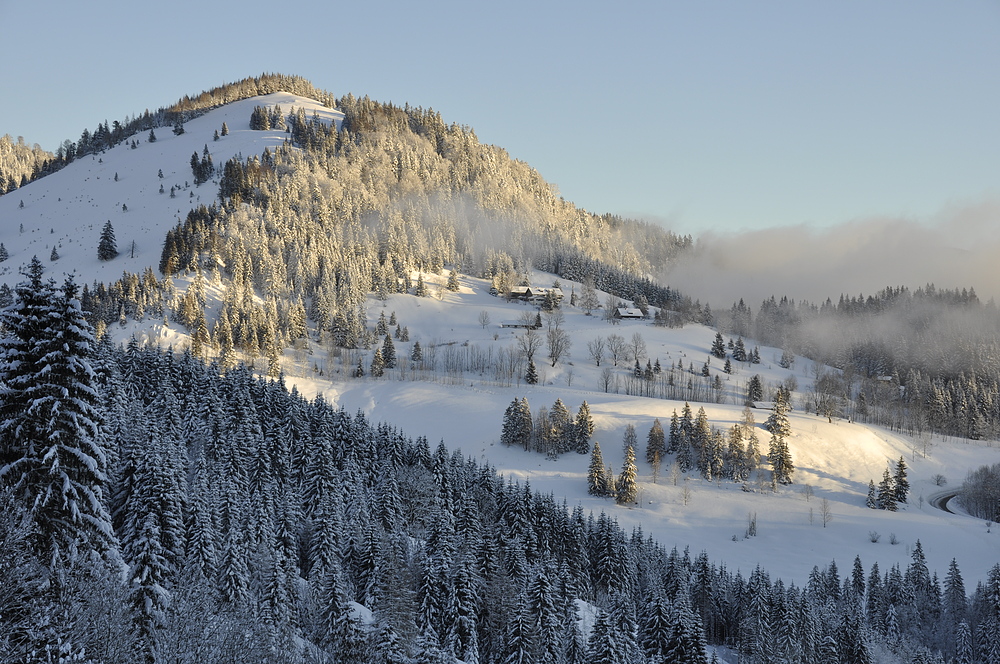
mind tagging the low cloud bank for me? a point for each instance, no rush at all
(958, 248)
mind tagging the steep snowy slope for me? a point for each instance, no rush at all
(69, 208)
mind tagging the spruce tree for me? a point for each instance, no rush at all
(654, 628)
(107, 248)
(626, 489)
(389, 353)
(583, 429)
(603, 647)
(51, 453)
(655, 442)
(901, 486)
(686, 643)
(531, 375)
(511, 427)
(147, 577)
(777, 422)
(595, 474)
(886, 499)
(719, 346)
(562, 427)
(871, 502)
(377, 368)
(781, 460)
(3, 253)
(740, 351)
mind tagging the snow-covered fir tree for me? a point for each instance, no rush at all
(107, 247)
(52, 454)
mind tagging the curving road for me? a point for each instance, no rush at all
(940, 500)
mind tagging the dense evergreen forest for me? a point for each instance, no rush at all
(168, 509)
(172, 512)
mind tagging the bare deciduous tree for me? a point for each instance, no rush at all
(558, 343)
(616, 347)
(637, 347)
(611, 304)
(596, 349)
(607, 377)
(484, 318)
(529, 343)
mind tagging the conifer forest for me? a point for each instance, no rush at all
(189, 504)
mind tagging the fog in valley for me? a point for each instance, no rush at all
(957, 248)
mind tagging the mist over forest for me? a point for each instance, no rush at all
(955, 249)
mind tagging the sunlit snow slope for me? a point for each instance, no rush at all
(69, 208)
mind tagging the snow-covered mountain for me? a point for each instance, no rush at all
(69, 208)
(454, 394)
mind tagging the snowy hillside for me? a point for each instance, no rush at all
(836, 459)
(69, 208)
(330, 532)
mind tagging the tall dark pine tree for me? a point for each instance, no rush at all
(627, 488)
(107, 248)
(655, 442)
(886, 497)
(596, 480)
(51, 454)
(583, 429)
(719, 346)
(901, 486)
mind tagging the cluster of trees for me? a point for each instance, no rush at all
(551, 431)
(601, 480)
(695, 445)
(263, 118)
(916, 361)
(981, 492)
(736, 350)
(203, 169)
(891, 491)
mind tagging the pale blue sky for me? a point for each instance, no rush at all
(705, 115)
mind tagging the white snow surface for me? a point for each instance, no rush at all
(837, 459)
